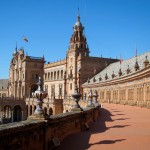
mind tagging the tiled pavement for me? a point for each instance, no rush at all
(119, 127)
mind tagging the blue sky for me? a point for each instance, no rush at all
(112, 27)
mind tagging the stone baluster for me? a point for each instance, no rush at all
(39, 94)
(76, 96)
(90, 96)
(95, 96)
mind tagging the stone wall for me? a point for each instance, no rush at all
(39, 134)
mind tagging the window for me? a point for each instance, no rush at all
(70, 86)
(37, 76)
(32, 76)
(55, 75)
(61, 74)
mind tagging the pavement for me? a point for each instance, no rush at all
(118, 127)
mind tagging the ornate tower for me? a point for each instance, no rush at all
(78, 49)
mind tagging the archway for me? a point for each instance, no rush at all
(30, 110)
(45, 110)
(50, 111)
(27, 109)
(34, 87)
(17, 113)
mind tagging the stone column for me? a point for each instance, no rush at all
(12, 116)
(0, 114)
(28, 110)
(104, 95)
(126, 100)
(22, 115)
(144, 92)
(111, 95)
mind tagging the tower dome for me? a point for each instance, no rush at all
(78, 24)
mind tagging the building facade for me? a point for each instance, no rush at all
(127, 82)
(24, 73)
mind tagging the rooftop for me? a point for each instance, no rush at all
(3, 84)
(112, 71)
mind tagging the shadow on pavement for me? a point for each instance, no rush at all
(122, 119)
(118, 126)
(109, 141)
(80, 141)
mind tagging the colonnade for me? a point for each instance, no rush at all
(9, 114)
(131, 94)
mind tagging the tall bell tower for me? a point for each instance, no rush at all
(78, 49)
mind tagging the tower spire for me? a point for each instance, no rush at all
(78, 16)
(16, 47)
(136, 52)
(15, 51)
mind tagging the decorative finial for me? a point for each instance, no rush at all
(78, 12)
(40, 88)
(128, 70)
(136, 52)
(136, 65)
(146, 62)
(100, 78)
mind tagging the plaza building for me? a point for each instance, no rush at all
(23, 77)
(126, 82)
(61, 77)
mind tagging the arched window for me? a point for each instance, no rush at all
(57, 75)
(61, 74)
(48, 76)
(51, 75)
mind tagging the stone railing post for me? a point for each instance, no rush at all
(76, 96)
(95, 96)
(39, 94)
(90, 96)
